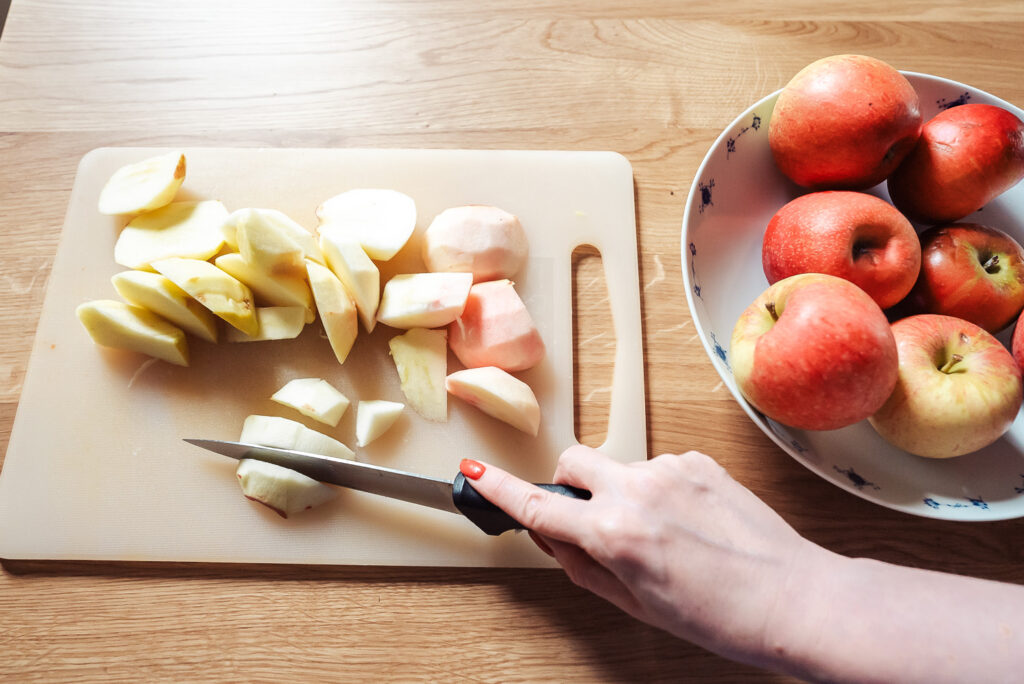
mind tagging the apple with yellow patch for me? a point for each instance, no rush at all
(143, 186)
(161, 296)
(188, 230)
(315, 398)
(498, 394)
(337, 309)
(274, 323)
(222, 294)
(271, 290)
(114, 324)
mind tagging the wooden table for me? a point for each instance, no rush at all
(654, 80)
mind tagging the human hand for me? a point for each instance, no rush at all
(673, 541)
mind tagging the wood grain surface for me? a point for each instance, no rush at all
(653, 80)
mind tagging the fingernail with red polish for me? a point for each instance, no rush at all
(540, 544)
(471, 469)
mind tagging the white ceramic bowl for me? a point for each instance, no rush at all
(736, 191)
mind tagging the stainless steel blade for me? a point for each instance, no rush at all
(395, 484)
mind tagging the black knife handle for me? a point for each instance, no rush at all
(489, 517)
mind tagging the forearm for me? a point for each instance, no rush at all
(866, 621)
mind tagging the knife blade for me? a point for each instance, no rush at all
(454, 496)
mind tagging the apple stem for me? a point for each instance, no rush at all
(953, 360)
(771, 310)
(992, 265)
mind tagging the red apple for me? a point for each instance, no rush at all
(1017, 342)
(815, 352)
(972, 272)
(844, 122)
(965, 158)
(852, 235)
(959, 389)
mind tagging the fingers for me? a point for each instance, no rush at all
(581, 466)
(552, 515)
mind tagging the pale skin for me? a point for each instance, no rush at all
(679, 544)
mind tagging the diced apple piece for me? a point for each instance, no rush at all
(282, 433)
(337, 309)
(222, 294)
(280, 221)
(272, 290)
(158, 294)
(381, 220)
(285, 491)
(421, 357)
(313, 397)
(356, 271)
(499, 395)
(274, 323)
(374, 417)
(486, 241)
(143, 186)
(496, 329)
(125, 326)
(424, 300)
(189, 230)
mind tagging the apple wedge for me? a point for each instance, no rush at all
(374, 417)
(421, 358)
(349, 261)
(337, 309)
(285, 491)
(498, 394)
(496, 329)
(222, 294)
(282, 433)
(268, 247)
(279, 221)
(143, 186)
(161, 296)
(271, 290)
(381, 220)
(111, 323)
(424, 300)
(273, 323)
(189, 230)
(315, 398)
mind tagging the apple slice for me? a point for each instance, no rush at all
(222, 294)
(382, 221)
(189, 230)
(486, 241)
(274, 323)
(143, 186)
(268, 247)
(282, 433)
(125, 326)
(498, 394)
(272, 290)
(356, 271)
(161, 296)
(424, 300)
(421, 358)
(496, 329)
(337, 309)
(374, 417)
(313, 397)
(285, 491)
(280, 221)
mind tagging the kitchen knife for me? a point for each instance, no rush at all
(454, 496)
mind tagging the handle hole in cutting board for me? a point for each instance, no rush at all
(593, 346)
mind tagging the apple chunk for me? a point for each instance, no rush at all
(421, 358)
(189, 230)
(125, 326)
(271, 290)
(282, 433)
(381, 220)
(357, 272)
(222, 294)
(278, 221)
(313, 397)
(285, 491)
(161, 296)
(268, 247)
(424, 300)
(273, 323)
(143, 186)
(374, 417)
(496, 329)
(486, 241)
(337, 309)
(498, 394)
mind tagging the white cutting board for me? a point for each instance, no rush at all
(96, 469)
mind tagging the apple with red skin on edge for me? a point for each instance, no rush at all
(966, 157)
(959, 388)
(815, 352)
(855, 236)
(972, 272)
(844, 122)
